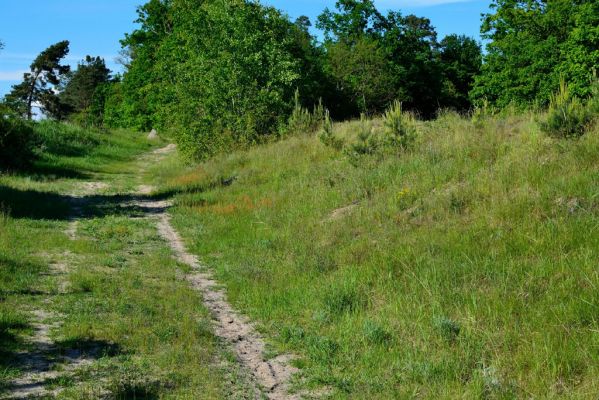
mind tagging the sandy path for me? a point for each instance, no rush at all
(273, 375)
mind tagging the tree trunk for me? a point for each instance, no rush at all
(30, 95)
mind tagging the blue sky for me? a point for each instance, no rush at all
(94, 27)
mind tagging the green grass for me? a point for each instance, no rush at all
(116, 291)
(465, 267)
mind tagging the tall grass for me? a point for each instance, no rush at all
(465, 268)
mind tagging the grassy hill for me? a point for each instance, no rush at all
(465, 267)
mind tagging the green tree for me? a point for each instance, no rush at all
(534, 43)
(375, 58)
(82, 84)
(461, 60)
(37, 86)
(363, 73)
(352, 20)
(216, 72)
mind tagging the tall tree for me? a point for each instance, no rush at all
(376, 58)
(81, 86)
(37, 86)
(461, 60)
(533, 44)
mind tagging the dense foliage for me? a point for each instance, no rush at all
(217, 74)
(15, 139)
(375, 59)
(83, 87)
(535, 43)
(220, 73)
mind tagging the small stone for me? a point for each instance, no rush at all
(153, 134)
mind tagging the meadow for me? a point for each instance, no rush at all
(462, 267)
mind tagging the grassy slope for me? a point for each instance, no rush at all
(121, 296)
(468, 268)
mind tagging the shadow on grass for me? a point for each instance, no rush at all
(33, 204)
(86, 349)
(41, 171)
(10, 342)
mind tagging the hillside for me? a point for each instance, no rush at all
(464, 268)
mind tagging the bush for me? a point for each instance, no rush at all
(304, 121)
(327, 136)
(400, 127)
(15, 140)
(568, 116)
(368, 142)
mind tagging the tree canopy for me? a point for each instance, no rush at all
(535, 43)
(37, 86)
(81, 85)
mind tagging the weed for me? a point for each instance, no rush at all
(343, 298)
(447, 328)
(375, 333)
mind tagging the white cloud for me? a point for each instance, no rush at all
(11, 75)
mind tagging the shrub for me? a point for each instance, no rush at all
(568, 116)
(15, 140)
(400, 127)
(481, 113)
(300, 119)
(368, 142)
(304, 121)
(327, 136)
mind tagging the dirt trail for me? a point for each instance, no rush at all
(40, 364)
(273, 375)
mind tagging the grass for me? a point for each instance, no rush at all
(115, 291)
(464, 267)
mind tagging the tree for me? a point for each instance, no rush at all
(82, 84)
(461, 59)
(353, 20)
(375, 58)
(216, 72)
(45, 70)
(535, 43)
(363, 73)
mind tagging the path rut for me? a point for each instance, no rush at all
(273, 375)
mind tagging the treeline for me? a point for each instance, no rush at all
(220, 73)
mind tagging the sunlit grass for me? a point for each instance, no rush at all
(464, 267)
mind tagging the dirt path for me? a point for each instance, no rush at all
(270, 378)
(273, 375)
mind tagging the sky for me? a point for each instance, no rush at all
(95, 27)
